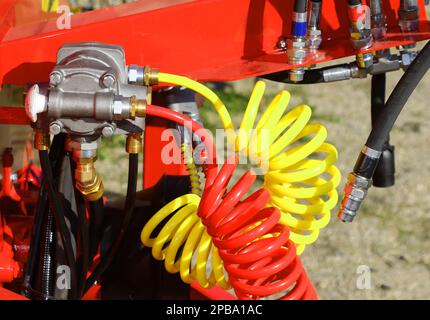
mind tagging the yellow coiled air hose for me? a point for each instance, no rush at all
(187, 156)
(299, 160)
(300, 176)
(185, 230)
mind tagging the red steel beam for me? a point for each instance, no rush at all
(204, 39)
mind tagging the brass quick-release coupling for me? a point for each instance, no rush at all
(134, 143)
(88, 182)
(150, 76)
(42, 139)
(142, 76)
(137, 108)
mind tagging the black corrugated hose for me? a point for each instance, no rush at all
(58, 209)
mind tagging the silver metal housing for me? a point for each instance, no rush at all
(89, 92)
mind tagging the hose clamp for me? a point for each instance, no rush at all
(371, 153)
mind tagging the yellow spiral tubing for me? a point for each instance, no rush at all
(187, 156)
(299, 174)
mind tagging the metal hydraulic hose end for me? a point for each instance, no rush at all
(358, 183)
(354, 193)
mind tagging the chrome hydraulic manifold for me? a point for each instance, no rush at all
(91, 93)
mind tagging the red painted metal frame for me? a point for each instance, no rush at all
(204, 39)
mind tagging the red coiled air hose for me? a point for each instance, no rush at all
(255, 248)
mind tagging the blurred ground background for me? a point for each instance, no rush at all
(391, 234)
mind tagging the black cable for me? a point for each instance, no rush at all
(84, 247)
(354, 2)
(96, 217)
(35, 239)
(56, 154)
(128, 211)
(300, 6)
(58, 209)
(384, 175)
(377, 95)
(398, 99)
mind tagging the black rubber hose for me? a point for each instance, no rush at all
(354, 2)
(384, 175)
(128, 212)
(377, 96)
(56, 155)
(398, 99)
(84, 259)
(58, 209)
(33, 255)
(96, 218)
(300, 6)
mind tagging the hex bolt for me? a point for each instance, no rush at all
(108, 131)
(55, 127)
(55, 78)
(108, 80)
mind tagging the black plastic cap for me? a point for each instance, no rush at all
(384, 176)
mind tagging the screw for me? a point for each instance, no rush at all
(108, 131)
(55, 127)
(55, 78)
(108, 80)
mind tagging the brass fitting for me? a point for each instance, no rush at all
(150, 76)
(42, 139)
(88, 182)
(137, 108)
(134, 143)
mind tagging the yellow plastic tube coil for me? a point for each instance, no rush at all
(185, 230)
(299, 165)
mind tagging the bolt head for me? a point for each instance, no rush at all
(55, 128)
(55, 78)
(108, 80)
(108, 131)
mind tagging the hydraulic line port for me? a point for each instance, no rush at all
(88, 182)
(361, 33)
(296, 45)
(314, 31)
(134, 143)
(379, 20)
(408, 15)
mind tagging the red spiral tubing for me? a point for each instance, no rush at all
(258, 256)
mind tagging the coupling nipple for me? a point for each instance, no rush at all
(150, 76)
(137, 108)
(88, 182)
(134, 143)
(354, 193)
(358, 183)
(42, 139)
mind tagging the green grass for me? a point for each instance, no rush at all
(109, 144)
